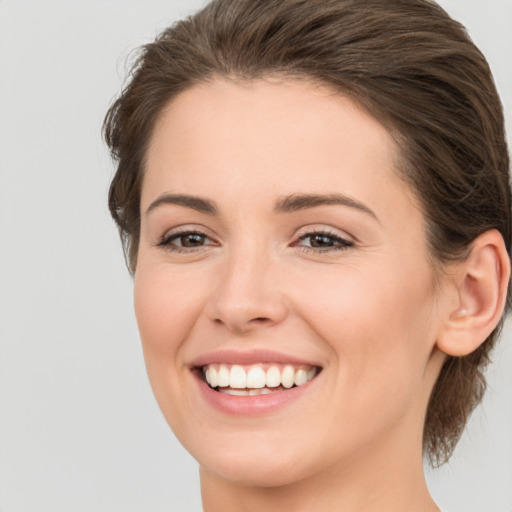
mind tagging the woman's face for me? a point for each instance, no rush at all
(278, 242)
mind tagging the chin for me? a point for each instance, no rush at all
(263, 462)
(256, 473)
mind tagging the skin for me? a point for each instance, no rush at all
(366, 310)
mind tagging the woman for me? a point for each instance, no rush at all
(314, 201)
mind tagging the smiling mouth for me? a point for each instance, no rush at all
(256, 379)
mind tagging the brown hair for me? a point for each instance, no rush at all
(409, 65)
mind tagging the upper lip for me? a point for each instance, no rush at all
(254, 356)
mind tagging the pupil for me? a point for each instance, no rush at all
(192, 240)
(321, 241)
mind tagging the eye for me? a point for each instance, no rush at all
(185, 241)
(322, 241)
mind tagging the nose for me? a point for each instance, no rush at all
(248, 295)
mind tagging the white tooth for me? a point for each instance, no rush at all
(213, 377)
(206, 372)
(237, 377)
(256, 378)
(262, 391)
(273, 377)
(287, 376)
(223, 376)
(300, 377)
(236, 392)
(310, 374)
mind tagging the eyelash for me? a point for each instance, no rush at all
(166, 241)
(342, 243)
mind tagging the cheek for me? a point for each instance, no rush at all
(379, 325)
(167, 306)
(379, 331)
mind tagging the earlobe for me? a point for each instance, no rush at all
(482, 283)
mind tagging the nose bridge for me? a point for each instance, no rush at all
(247, 292)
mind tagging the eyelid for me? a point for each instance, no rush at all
(188, 228)
(313, 229)
(344, 241)
(193, 229)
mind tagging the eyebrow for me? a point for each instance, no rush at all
(297, 202)
(196, 203)
(288, 204)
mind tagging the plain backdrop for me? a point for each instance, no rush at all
(79, 428)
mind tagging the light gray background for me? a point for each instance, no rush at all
(79, 428)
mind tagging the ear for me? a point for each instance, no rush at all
(481, 282)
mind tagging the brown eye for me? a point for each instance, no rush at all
(191, 240)
(323, 241)
(186, 240)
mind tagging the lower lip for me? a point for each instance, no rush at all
(252, 405)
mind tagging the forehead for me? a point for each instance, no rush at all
(265, 137)
(293, 109)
